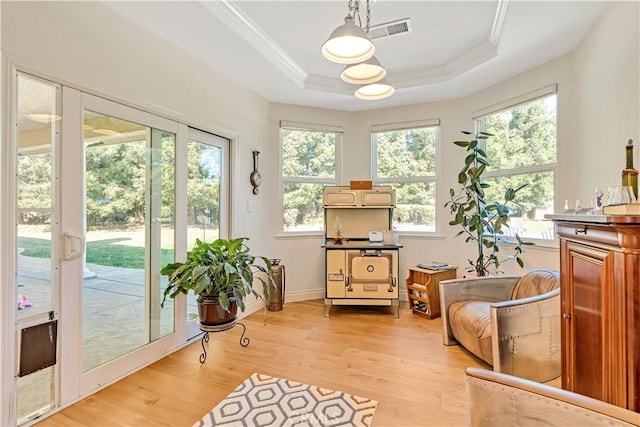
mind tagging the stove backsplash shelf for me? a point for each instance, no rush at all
(357, 211)
(382, 196)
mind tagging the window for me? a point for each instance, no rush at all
(405, 157)
(309, 155)
(523, 151)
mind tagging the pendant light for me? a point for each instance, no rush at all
(350, 43)
(374, 91)
(369, 71)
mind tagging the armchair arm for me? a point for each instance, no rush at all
(497, 399)
(489, 288)
(525, 338)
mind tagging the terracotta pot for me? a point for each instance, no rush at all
(211, 313)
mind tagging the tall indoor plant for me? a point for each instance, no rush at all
(482, 221)
(221, 273)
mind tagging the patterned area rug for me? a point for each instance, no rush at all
(262, 400)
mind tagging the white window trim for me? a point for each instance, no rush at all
(404, 125)
(515, 101)
(310, 127)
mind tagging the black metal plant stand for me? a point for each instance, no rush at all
(244, 341)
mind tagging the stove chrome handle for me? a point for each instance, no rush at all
(347, 283)
(377, 253)
(392, 284)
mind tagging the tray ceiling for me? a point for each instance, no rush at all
(454, 48)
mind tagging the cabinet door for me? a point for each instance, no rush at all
(587, 280)
(336, 273)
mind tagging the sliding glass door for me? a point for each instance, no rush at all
(104, 195)
(118, 171)
(129, 211)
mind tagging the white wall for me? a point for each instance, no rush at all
(606, 111)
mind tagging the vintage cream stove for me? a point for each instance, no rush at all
(361, 256)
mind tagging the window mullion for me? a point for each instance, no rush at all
(548, 167)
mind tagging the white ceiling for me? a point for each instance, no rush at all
(455, 47)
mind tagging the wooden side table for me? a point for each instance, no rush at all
(423, 290)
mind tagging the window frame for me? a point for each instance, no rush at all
(435, 178)
(306, 127)
(480, 126)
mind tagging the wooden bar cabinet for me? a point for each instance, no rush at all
(600, 303)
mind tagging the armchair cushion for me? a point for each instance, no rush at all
(471, 325)
(535, 283)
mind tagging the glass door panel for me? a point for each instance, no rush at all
(129, 199)
(207, 197)
(37, 126)
(203, 202)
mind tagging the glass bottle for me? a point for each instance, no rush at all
(338, 226)
(629, 174)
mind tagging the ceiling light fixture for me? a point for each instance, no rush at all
(350, 44)
(369, 71)
(374, 91)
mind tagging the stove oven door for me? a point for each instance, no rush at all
(372, 273)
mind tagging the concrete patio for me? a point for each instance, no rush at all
(113, 313)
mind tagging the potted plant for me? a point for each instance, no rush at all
(221, 273)
(482, 221)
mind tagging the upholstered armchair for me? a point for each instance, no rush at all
(512, 323)
(496, 399)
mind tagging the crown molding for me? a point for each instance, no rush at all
(498, 22)
(249, 31)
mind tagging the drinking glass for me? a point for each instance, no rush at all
(615, 195)
(578, 208)
(597, 208)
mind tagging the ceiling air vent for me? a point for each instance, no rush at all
(390, 28)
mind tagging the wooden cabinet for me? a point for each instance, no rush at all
(600, 303)
(423, 290)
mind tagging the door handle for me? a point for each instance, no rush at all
(74, 245)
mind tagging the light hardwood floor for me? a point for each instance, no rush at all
(401, 363)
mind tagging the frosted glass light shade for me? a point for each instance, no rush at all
(348, 44)
(375, 91)
(362, 73)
